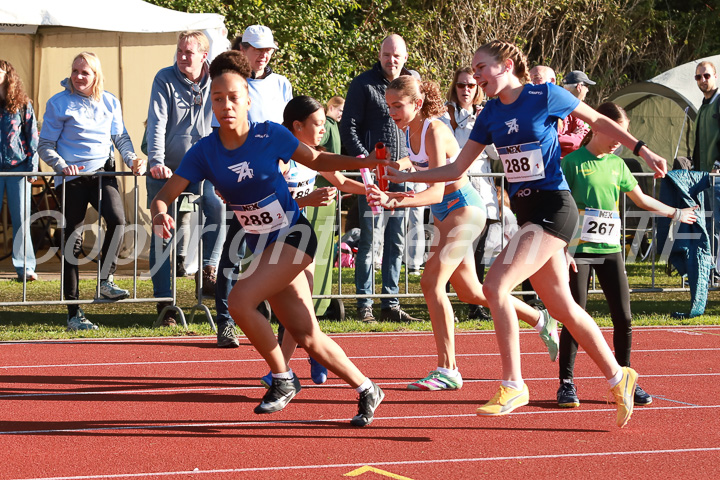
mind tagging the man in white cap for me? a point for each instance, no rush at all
(573, 130)
(269, 92)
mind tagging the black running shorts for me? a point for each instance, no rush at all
(554, 211)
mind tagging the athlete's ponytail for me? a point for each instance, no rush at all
(231, 61)
(501, 51)
(429, 92)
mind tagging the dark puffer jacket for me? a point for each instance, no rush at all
(366, 118)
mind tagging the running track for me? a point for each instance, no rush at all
(180, 408)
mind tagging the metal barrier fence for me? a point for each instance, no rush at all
(642, 246)
(59, 219)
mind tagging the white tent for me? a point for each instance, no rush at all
(657, 107)
(132, 38)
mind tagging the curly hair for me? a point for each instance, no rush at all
(15, 96)
(231, 61)
(429, 92)
(502, 50)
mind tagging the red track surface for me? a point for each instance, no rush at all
(180, 408)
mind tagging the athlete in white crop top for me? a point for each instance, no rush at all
(420, 160)
(459, 220)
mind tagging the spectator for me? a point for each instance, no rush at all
(572, 129)
(365, 122)
(464, 102)
(18, 153)
(331, 140)
(178, 116)
(269, 93)
(79, 127)
(706, 154)
(540, 74)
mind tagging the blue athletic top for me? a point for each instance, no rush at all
(249, 179)
(530, 120)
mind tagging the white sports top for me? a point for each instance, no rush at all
(420, 160)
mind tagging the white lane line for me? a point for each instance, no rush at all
(562, 456)
(267, 423)
(212, 339)
(140, 391)
(357, 357)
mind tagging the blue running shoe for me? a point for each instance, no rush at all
(318, 373)
(266, 381)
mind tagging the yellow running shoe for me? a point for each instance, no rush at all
(624, 393)
(505, 401)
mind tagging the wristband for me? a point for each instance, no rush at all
(158, 214)
(638, 146)
(677, 215)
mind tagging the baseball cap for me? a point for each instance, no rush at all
(259, 36)
(576, 76)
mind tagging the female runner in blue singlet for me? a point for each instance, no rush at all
(242, 161)
(459, 213)
(521, 122)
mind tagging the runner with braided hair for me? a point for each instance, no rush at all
(521, 122)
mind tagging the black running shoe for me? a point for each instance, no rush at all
(567, 395)
(642, 397)
(279, 394)
(367, 403)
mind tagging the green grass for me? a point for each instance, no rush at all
(119, 320)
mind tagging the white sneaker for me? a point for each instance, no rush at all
(109, 290)
(80, 322)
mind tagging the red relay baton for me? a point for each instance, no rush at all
(381, 154)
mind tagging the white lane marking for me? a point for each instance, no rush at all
(363, 357)
(386, 464)
(212, 339)
(266, 423)
(140, 391)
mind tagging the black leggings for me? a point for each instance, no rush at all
(610, 270)
(80, 192)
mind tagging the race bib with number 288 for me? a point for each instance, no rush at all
(265, 216)
(522, 163)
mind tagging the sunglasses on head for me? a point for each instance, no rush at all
(466, 85)
(699, 77)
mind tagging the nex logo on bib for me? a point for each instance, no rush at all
(243, 170)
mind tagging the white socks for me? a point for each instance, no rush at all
(541, 323)
(514, 385)
(446, 371)
(616, 378)
(285, 375)
(366, 385)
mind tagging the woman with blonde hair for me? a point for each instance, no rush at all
(18, 148)
(80, 125)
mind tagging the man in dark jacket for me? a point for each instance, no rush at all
(366, 121)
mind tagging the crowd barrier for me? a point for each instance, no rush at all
(638, 244)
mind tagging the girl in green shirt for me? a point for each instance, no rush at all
(596, 177)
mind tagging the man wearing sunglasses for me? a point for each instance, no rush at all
(179, 115)
(706, 154)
